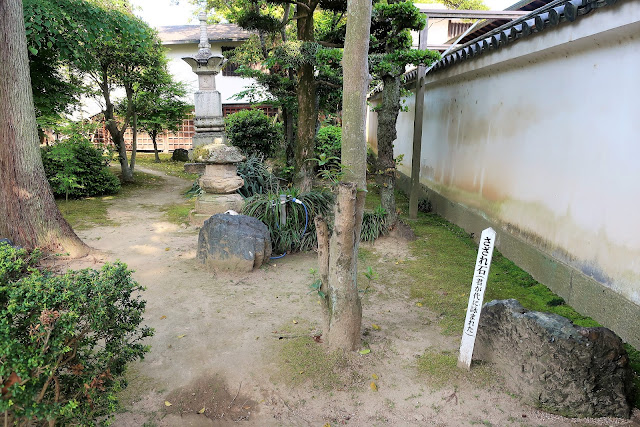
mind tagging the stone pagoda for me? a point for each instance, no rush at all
(220, 179)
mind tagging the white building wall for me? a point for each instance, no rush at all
(542, 137)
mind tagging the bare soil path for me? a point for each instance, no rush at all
(216, 353)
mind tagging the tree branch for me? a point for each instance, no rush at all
(326, 83)
(328, 44)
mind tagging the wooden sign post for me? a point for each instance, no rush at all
(478, 285)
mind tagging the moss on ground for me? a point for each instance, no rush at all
(166, 165)
(86, 213)
(178, 213)
(92, 211)
(440, 369)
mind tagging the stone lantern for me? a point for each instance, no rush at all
(220, 179)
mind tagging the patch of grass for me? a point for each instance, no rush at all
(178, 213)
(443, 269)
(166, 165)
(441, 370)
(304, 361)
(86, 213)
(142, 181)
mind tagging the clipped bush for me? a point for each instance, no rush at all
(75, 169)
(253, 132)
(66, 340)
(292, 236)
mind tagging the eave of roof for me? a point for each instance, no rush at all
(544, 18)
(183, 34)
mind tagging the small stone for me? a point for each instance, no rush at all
(180, 155)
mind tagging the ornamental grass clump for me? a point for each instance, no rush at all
(65, 340)
(292, 236)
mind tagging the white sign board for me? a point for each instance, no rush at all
(478, 285)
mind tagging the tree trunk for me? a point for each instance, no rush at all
(154, 137)
(307, 111)
(287, 118)
(117, 135)
(387, 118)
(134, 142)
(28, 213)
(338, 269)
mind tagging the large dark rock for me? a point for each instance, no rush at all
(180, 155)
(555, 365)
(233, 242)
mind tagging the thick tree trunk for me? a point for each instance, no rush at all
(287, 118)
(338, 270)
(387, 118)
(307, 111)
(28, 213)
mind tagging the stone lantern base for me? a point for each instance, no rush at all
(211, 204)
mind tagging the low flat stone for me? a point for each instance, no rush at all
(553, 364)
(233, 243)
(218, 154)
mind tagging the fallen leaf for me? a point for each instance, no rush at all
(246, 407)
(201, 411)
(327, 425)
(167, 403)
(419, 304)
(301, 372)
(163, 317)
(295, 322)
(365, 351)
(376, 327)
(374, 376)
(373, 386)
(166, 249)
(182, 336)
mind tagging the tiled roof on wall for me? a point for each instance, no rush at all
(181, 34)
(542, 19)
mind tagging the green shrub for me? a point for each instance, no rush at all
(328, 146)
(290, 237)
(253, 132)
(75, 168)
(257, 177)
(65, 340)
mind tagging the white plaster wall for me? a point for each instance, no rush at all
(543, 137)
(228, 86)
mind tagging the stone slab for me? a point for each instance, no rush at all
(553, 364)
(212, 204)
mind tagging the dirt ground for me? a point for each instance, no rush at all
(215, 353)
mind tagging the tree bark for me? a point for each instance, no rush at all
(28, 213)
(154, 138)
(343, 311)
(307, 110)
(387, 118)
